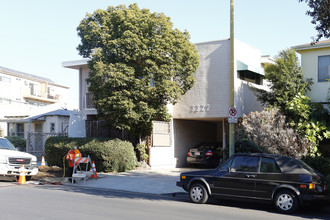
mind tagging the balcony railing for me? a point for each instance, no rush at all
(41, 96)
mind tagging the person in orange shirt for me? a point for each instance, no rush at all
(71, 156)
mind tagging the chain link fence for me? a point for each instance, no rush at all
(35, 143)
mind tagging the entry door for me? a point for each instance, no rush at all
(239, 179)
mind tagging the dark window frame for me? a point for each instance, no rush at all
(324, 72)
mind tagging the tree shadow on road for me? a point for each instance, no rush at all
(308, 212)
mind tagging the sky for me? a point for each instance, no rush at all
(36, 36)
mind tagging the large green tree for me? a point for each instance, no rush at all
(286, 80)
(320, 13)
(138, 64)
(288, 93)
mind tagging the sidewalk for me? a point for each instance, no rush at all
(153, 181)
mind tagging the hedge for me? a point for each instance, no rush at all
(18, 142)
(109, 155)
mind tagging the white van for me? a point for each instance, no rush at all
(12, 160)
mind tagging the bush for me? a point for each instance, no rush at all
(18, 142)
(142, 154)
(246, 146)
(108, 155)
(270, 131)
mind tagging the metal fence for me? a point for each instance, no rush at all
(161, 134)
(100, 129)
(35, 143)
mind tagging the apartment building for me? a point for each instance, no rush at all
(202, 113)
(22, 95)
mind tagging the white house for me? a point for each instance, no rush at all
(315, 63)
(202, 114)
(22, 95)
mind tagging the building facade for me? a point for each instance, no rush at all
(23, 95)
(315, 63)
(202, 113)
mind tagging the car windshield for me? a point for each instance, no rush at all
(5, 144)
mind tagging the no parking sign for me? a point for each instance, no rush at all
(232, 115)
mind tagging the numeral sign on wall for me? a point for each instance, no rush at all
(200, 108)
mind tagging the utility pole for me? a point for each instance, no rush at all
(232, 75)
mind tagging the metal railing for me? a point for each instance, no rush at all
(89, 101)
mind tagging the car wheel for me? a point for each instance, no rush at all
(286, 201)
(198, 193)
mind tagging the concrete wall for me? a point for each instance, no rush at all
(309, 64)
(245, 100)
(210, 95)
(209, 98)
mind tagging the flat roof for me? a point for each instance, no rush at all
(28, 76)
(75, 64)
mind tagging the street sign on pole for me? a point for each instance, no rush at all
(232, 115)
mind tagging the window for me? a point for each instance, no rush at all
(20, 130)
(269, 165)
(52, 127)
(324, 68)
(225, 166)
(5, 101)
(5, 79)
(38, 127)
(251, 77)
(34, 89)
(245, 164)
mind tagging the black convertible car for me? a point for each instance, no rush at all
(284, 181)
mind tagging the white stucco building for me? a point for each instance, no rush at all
(202, 114)
(23, 95)
(315, 64)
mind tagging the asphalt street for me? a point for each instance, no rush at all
(79, 202)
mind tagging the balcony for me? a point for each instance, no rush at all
(41, 97)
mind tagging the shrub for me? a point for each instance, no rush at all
(142, 152)
(108, 155)
(269, 131)
(246, 146)
(18, 142)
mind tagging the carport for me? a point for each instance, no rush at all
(189, 133)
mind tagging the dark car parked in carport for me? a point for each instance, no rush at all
(208, 154)
(284, 181)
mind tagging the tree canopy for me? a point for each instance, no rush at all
(138, 64)
(286, 80)
(320, 13)
(288, 93)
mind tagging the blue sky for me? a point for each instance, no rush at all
(38, 35)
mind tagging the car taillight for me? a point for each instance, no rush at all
(208, 153)
(311, 186)
(189, 153)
